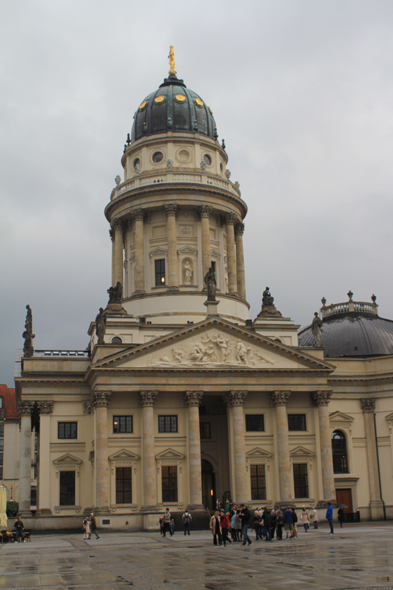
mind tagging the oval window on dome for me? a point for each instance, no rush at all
(143, 105)
(207, 159)
(180, 97)
(116, 340)
(157, 157)
(199, 102)
(159, 99)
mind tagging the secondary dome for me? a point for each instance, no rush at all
(173, 107)
(352, 329)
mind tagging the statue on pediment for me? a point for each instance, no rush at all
(28, 350)
(268, 307)
(316, 329)
(211, 283)
(100, 326)
(115, 293)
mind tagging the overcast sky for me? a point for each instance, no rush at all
(302, 92)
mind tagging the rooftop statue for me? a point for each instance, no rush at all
(171, 56)
(101, 326)
(28, 350)
(268, 307)
(210, 282)
(316, 329)
(115, 293)
(267, 299)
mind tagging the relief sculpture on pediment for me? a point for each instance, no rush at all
(213, 349)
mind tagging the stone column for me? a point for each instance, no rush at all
(117, 227)
(112, 236)
(100, 403)
(206, 254)
(192, 400)
(139, 252)
(376, 505)
(46, 409)
(173, 271)
(24, 410)
(235, 400)
(280, 400)
(241, 278)
(147, 399)
(322, 399)
(232, 278)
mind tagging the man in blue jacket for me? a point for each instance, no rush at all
(329, 517)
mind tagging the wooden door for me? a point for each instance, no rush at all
(344, 496)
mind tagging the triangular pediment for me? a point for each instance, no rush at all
(340, 417)
(214, 343)
(169, 454)
(187, 250)
(258, 453)
(300, 452)
(67, 459)
(158, 252)
(389, 417)
(122, 455)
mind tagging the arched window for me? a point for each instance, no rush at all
(339, 450)
(116, 340)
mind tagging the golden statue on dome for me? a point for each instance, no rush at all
(171, 56)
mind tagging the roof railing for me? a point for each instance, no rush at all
(349, 306)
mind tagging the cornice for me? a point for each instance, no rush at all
(367, 379)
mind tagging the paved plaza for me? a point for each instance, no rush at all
(357, 556)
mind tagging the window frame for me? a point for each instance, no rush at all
(170, 494)
(257, 477)
(123, 479)
(67, 437)
(205, 430)
(294, 427)
(249, 418)
(62, 475)
(340, 457)
(120, 431)
(160, 273)
(300, 487)
(163, 418)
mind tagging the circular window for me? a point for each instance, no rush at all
(180, 97)
(159, 99)
(157, 157)
(137, 164)
(199, 102)
(143, 106)
(184, 155)
(116, 340)
(207, 159)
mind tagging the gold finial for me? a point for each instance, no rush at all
(171, 56)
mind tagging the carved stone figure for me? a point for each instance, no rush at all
(268, 307)
(316, 329)
(178, 354)
(118, 180)
(100, 326)
(187, 272)
(374, 299)
(28, 350)
(227, 174)
(241, 352)
(203, 165)
(169, 165)
(211, 283)
(267, 299)
(115, 293)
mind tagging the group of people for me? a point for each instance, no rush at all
(266, 523)
(89, 526)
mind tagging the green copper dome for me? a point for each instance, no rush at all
(173, 107)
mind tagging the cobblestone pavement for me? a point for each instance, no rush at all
(357, 556)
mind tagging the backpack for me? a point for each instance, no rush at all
(187, 519)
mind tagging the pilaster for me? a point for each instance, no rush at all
(321, 400)
(100, 402)
(44, 488)
(376, 505)
(192, 400)
(25, 409)
(235, 401)
(280, 400)
(147, 399)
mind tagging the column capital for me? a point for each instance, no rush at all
(193, 398)
(111, 234)
(171, 209)
(280, 398)
(205, 211)
(236, 398)
(321, 398)
(147, 398)
(368, 404)
(239, 229)
(101, 399)
(87, 407)
(117, 225)
(138, 214)
(45, 407)
(25, 408)
(231, 219)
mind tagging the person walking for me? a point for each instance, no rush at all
(304, 517)
(280, 523)
(245, 518)
(314, 517)
(273, 523)
(86, 529)
(238, 526)
(20, 527)
(186, 520)
(329, 518)
(267, 519)
(215, 528)
(233, 527)
(224, 524)
(167, 522)
(294, 520)
(341, 517)
(93, 525)
(257, 519)
(288, 522)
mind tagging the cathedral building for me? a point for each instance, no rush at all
(180, 398)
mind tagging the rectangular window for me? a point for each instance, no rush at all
(2, 414)
(258, 482)
(297, 422)
(67, 430)
(67, 488)
(122, 424)
(204, 430)
(33, 496)
(1, 429)
(167, 423)
(169, 483)
(300, 478)
(255, 423)
(123, 485)
(159, 267)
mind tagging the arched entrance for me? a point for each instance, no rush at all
(208, 485)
